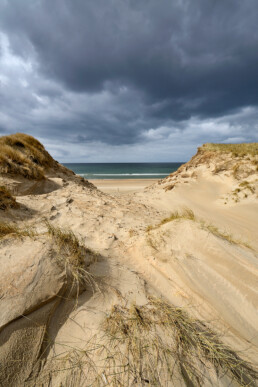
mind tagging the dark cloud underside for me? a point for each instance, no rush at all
(115, 69)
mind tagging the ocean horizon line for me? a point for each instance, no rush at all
(121, 174)
(129, 162)
(123, 170)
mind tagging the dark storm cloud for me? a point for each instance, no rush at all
(180, 49)
(115, 69)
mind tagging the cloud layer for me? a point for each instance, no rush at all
(127, 80)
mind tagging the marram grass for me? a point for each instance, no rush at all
(23, 155)
(15, 231)
(188, 214)
(6, 199)
(242, 149)
(151, 341)
(73, 254)
(156, 344)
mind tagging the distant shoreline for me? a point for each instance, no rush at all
(122, 186)
(132, 171)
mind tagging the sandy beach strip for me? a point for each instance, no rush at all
(122, 186)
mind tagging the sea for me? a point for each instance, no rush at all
(123, 170)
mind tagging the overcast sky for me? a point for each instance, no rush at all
(129, 80)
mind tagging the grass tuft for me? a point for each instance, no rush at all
(188, 214)
(74, 255)
(157, 344)
(150, 341)
(6, 199)
(223, 234)
(246, 185)
(68, 242)
(13, 230)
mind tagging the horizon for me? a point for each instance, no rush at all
(125, 81)
(132, 162)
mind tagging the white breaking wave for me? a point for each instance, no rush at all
(122, 174)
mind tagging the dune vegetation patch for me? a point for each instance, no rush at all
(242, 149)
(223, 234)
(237, 160)
(6, 199)
(21, 154)
(156, 344)
(245, 189)
(246, 185)
(14, 230)
(158, 335)
(73, 254)
(188, 214)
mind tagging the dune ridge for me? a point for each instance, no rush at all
(156, 288)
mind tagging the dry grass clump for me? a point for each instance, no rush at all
(223, 166)
(188, 214)
(218, 233)
(157, 344)
(223, 234)
(132, 232)
(75, 256)
(21, 154)
(246, 185)
(66, 240)
(6, 199)
(12, 229)
(242, 149)
(150, 342)
(244, 190)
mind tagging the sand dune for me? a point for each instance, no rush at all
(163, 290)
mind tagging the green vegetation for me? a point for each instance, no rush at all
(6, 199)
(21, 154)
(242, 149)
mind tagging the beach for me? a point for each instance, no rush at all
(122, 186)
(90, 268)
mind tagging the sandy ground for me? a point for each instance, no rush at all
(122, 186)
(183, 261)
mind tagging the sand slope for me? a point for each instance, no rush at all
(207, 265)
